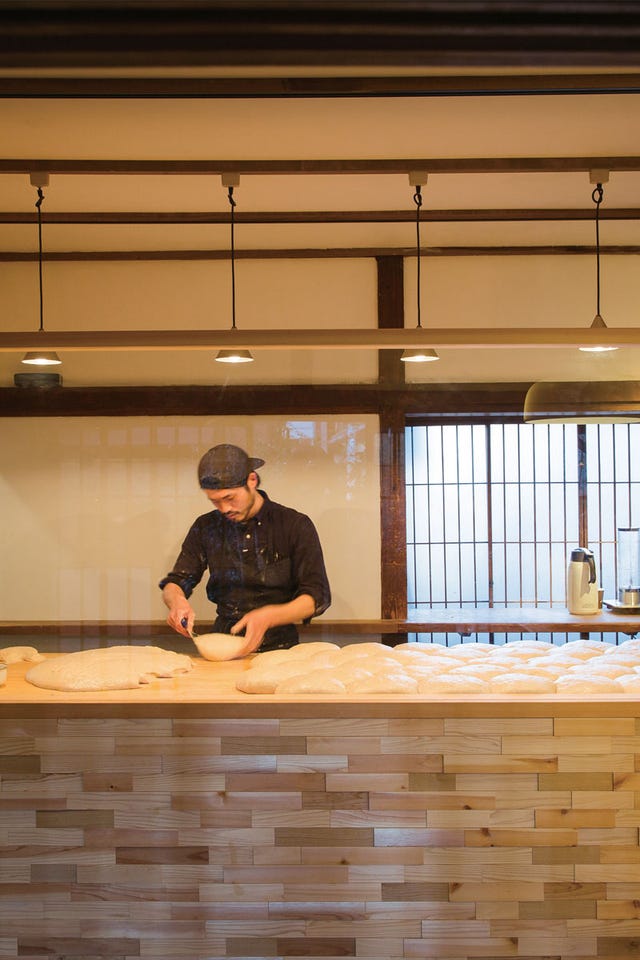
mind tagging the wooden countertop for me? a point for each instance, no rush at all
(209, 691)
(467, 620)
(461, 620)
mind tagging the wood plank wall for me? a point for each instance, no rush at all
(366, 837)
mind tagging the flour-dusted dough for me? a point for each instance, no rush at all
(220, 646)
(318, 681)
(311, 647)
(586, 649)
(630, 683)
(385, 683)
(107, 668)
(17, 654)
(349, 673)
(599, 669)
(578, 684)
(266, 680)
(485, 670)
(470, 651)
(269, 659)
(364, 649)
(453, 683)
(3, 674)
(522, 683)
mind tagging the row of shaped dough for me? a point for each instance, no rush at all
(536, 667)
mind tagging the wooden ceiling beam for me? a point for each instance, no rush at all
(320, 339)
(318, 253)
(322, 167)
(203, 87)
(493, 215)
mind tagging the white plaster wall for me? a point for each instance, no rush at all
(94, 509)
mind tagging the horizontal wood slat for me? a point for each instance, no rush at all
(321, 836)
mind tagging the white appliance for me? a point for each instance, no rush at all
(582, 582)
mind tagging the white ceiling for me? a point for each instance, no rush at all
(550, 282)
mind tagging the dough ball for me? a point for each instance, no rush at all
(17, 654)
(428, 649)
(3, 674)
(107, 668)
(318, 681)
(599, 669)
(631, 660)
(522, 683)
(453, 683)
(356, 650)
(269, 659)
(348, 673)
(266, 680)
(586, 649)
(324, 658)
(584, 684)
(485, 670)
(385, 683)
(470, 651)
(630, 682)
(220, 646)
(311, 647)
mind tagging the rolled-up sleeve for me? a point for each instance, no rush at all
(190, 565)
(309, 571)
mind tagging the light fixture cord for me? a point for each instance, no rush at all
(38, 206)
(417, 199)
(597, 196)
(232, 203)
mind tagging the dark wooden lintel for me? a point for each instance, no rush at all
(324, 167)
(317, 253)
(441, 401)
(202, 87)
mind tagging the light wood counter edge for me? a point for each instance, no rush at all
(209, 691)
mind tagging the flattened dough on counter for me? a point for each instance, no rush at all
(108, 668)
(17, 654)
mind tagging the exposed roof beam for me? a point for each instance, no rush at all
(344, 165)
(324, 339)
(239, 32)
(318, 253)
(203, 87)
(494, 215)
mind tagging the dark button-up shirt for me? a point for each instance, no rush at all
(273, 557)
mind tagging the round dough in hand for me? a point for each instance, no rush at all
(220, 646)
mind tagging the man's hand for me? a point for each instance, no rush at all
(258, 621)
(179, 609)
(255, 624)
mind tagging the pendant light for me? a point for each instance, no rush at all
(40, 358)
(420, 355)
(598, 177)
(233, 355)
